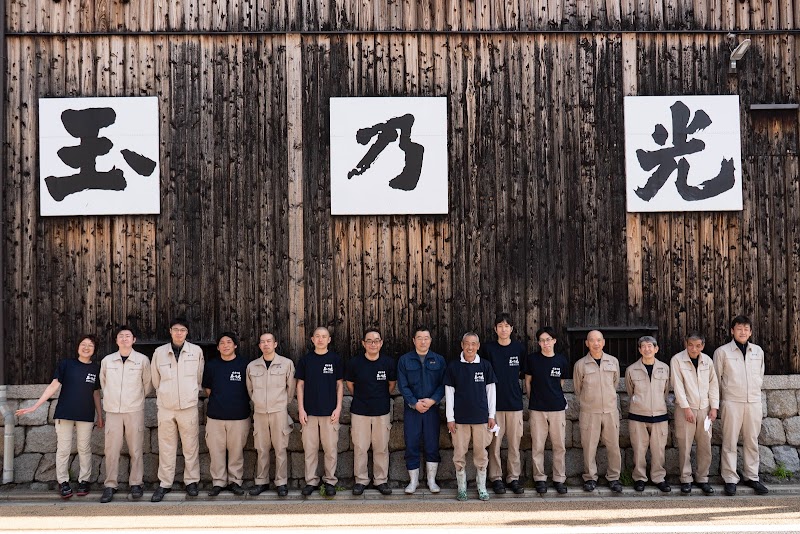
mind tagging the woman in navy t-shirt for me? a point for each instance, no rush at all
(77, 404)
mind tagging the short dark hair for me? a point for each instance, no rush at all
(471, 334)
(695, 335)
(549, 330)
(420, 328)
(90, 337)
(503, 317)
(741, 319)
(372, 329)
(122, 328)
(231, 335)
(181, 321)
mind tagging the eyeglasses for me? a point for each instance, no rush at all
(373, 341)
(548, 340)
(179, 330)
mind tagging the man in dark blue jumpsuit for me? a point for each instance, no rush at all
(420, 379)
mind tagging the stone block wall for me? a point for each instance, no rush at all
(35, 442)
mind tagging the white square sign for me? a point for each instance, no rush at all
(683, 153)
(98, 156)
(388, 155)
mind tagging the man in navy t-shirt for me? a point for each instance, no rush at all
(507, 357)
(370, 378)
(319, 401)
(228, 411)
(469, 386)
(544, 375)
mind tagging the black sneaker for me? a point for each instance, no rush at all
(282, 490)
(83, 489)
(498, 487)
(65, 490)
(159, 493)
(590, 485)
(686, 488)
(191, 490)
(309, 489)
(137, 492)
(730, 489)
(560, 487)
(638, 485)
(214, 491)
(330, 490)
(258, 489)
(236, 489)
(108, 495)
(615, 486)
(384, 489)
(541, 486)
(664, 486)
(705, 487)
(358, 489)
(516, 487)
(757, 486)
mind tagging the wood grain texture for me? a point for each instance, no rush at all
(537, 223)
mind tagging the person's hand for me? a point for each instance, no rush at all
(420, 406)
(451, 427)
(689, 414)
(23, 411)
(491, 423)
(303, 417)
(335, 415)
(100, 423)
(712, 414)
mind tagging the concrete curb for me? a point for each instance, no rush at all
(9, 495)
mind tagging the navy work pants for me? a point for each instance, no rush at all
(423, 426)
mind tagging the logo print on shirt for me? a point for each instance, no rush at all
(513, 361)
(328, 369)
(236, 376)
(555, 372)
(91, 378)
(381, 375)
(478, 376)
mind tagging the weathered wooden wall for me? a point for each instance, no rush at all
(380, 15)
(245, 240)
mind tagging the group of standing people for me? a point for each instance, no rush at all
(483, 396)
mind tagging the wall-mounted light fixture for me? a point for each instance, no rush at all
(737, 54)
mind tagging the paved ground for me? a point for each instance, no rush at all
(576, 512)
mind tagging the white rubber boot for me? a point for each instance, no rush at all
(480, 480)
(461, 478)
(432, 468)
(412, 486)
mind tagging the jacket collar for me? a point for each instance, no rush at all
(477, 358)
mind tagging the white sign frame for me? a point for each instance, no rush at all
(135, 128)
(649, 128)
(377, 188)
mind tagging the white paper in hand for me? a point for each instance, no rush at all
(495, 429)
(707, 425)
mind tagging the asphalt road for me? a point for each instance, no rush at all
(573, 513)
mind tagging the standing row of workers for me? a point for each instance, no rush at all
(483, 400)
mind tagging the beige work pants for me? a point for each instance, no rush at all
(511, 426)
(651, 436)
(685, 434)
(366, 431)
(171, 424)
(130, 428)
(271, 431)
(226, 440)
(744, 417)
(596, 427)
(481, 438)
(552, 424)
(64, 448)
(320, 430)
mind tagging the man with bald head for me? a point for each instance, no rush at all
(595, 378)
